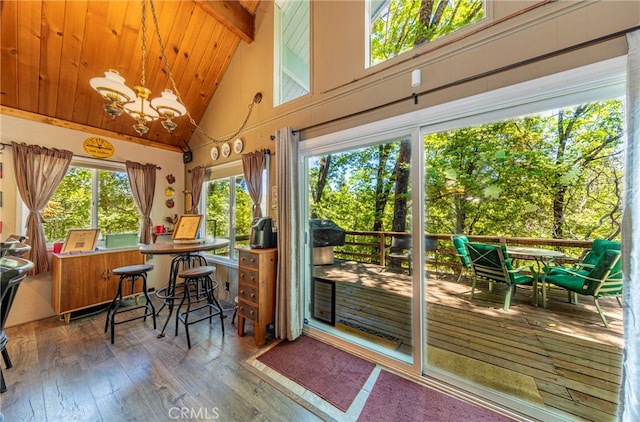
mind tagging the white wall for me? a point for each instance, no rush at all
(33, 301)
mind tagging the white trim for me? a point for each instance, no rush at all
(598, 80)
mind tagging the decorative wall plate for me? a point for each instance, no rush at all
(214, 153)
(226, 150)
(237, 146)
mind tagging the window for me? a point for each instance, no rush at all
(91, 198)
(291, 50)
(228, 208)
(397, 26)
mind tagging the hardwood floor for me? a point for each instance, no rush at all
(72, 373)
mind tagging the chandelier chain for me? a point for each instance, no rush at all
(256, 99)
(144, 42)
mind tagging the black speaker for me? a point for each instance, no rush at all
(187, 156)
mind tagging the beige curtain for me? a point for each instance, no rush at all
(197, 178)
(253, 166)
(288, 289)
(142, 178)
(629, 408)
(38, 172)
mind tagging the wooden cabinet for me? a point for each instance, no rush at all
(257, 290)
(83, 280)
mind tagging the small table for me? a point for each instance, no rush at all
(540, 256)
(185, 254)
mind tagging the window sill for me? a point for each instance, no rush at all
(223, 260)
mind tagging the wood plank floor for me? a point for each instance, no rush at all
(72, 373)
(574, 360)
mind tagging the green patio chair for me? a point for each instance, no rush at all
(604, 278)
(459, 242)
(491, 263)
(588, 258)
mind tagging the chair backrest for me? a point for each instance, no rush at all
(459, 242)
(400, 242)
(606, 275)
(12, 272)
(490, 262)
(597, 248)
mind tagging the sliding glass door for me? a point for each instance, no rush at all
(360, 243)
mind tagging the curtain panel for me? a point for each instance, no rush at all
(288, 289)
(629, 402)
(142, 179)
(38, 172)
(253, 166)
(197, 179)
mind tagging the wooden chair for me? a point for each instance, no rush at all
(603, 279)
(491, 263)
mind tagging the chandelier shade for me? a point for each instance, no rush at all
(135, 102)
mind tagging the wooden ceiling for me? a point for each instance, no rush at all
(51, 49)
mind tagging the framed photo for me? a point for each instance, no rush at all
(187, 227)
(80, 240)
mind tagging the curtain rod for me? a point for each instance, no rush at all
(492, 72)
(266, 151)
(81, 157)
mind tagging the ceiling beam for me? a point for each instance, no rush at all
(232, 15)
(83, 128)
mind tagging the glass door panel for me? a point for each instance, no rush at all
(360, 247)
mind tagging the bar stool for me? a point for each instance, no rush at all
(130, 273)
(198, 286)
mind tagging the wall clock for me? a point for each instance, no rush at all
(214, 153)
(98, 147)
(226, 150)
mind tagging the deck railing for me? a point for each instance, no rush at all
(374, 247)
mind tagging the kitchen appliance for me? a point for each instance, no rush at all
(262, 235)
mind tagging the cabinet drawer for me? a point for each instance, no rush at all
(247, 259)
(247, 277)
(248, 293)
(248, 311)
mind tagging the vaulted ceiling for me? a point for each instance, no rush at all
(51, 49)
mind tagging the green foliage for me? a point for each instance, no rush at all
(398, 25)
(502, 178)
(71, 204)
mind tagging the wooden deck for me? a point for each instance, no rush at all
(574, 360)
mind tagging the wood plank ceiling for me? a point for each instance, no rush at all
(51, 49)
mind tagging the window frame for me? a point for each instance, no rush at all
(95, 166)
(230, 171)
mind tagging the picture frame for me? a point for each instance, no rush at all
(80, 240)
(187, 227)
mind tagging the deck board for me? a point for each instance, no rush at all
(574, 360)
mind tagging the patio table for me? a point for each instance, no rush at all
(540, 256)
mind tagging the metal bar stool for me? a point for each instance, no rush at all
(130, 273)
(198, 286)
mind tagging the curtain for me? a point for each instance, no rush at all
(142, 179)
(252, 165)
(197, 178)
(288, 290)
(38, 173)
(629, 407)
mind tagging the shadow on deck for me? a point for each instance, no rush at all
(574, 360)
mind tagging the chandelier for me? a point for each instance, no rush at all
(135, 102)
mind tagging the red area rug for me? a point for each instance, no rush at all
(330, 373)
(394, 398)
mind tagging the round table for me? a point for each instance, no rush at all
(541, 256)
(185, 256)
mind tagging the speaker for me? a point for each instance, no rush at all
(187, 156)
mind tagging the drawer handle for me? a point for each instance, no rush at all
(251, 312)
(241, 291)
(253, 295)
